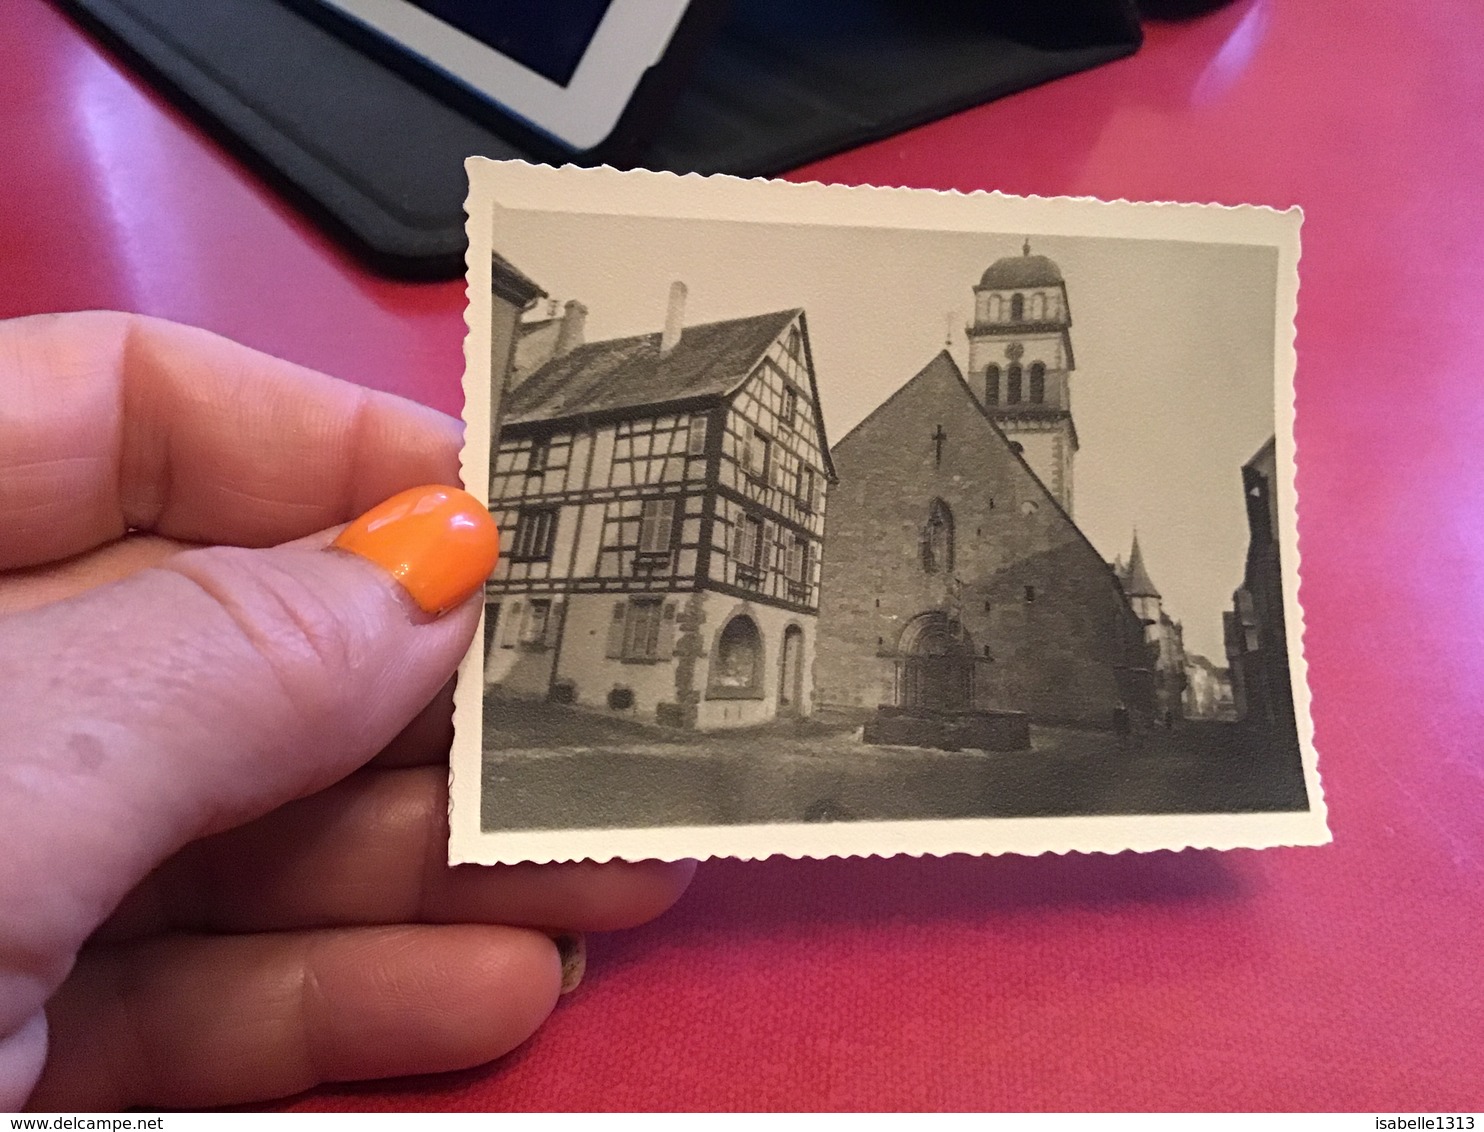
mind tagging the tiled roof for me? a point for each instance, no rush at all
(710, 359)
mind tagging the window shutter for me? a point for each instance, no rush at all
(739, 540)
(665, 528)
(615, 631)
(554, 623)
(665, 648)
(765, 550)
(510, 629)
(696, 441)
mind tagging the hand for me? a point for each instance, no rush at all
(213, 889)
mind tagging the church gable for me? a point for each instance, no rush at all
(937, 521)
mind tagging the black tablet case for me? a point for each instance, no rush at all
(373, 145)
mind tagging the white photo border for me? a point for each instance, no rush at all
(516, 185)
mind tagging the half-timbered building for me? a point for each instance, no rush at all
(661, 499)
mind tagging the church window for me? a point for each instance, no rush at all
(656, 527)
(992, 385)
(1017, 307)
(1038, 383)
(994, 309)
(1012, 394)
(1038, 307)
(736, 669)
(937, 539)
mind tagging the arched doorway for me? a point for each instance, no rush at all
(737, 663)
(791, 672)
(935, 665)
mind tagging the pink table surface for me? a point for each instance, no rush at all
(1346, 977)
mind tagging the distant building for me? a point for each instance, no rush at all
(661, 499)
(954, 578)
(1256, 636)
(1164, 634)
(1208, 690)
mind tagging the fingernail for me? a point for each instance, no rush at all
(438, 542)
(572, 947)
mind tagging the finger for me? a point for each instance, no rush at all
(427, 739)
(42, 585)
(110, 422)
(192, 1022)
(374, 850)
(198, 695)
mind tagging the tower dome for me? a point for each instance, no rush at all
(1024, 270)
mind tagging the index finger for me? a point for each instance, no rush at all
(113, 422)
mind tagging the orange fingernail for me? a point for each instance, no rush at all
(438, 542)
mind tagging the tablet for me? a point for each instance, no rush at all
(566, 69)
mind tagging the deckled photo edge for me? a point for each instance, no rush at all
(517, 186)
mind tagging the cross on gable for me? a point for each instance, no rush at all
(938, 437)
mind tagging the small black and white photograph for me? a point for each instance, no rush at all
(841, 521)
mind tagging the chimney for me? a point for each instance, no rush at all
(674, 318)
(569, 334)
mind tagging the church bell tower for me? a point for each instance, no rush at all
(1020, 360)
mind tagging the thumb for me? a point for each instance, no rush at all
(204, 692)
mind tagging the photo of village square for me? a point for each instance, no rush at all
(805, 525)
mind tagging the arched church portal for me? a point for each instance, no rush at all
(935, 664)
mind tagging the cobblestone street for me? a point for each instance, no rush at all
(553, 767)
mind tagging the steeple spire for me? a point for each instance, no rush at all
(1136, 581)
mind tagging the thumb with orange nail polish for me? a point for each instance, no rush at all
(438, 542)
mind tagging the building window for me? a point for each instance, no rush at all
(795, 343)
(790, 404)
(737, 667)
(757, 455)
(1013, 392)
(533, 628)
(1038, 383)
(798, 560)
(748, 547)
(642, 629)
(994, 309)
(535, 532)
(657, 527)
(804, 487)
(1030, 594)
(937, 539)
(695, 442)
(641, 635)
(1017, 307)
(539, 455)
(1038, 307)
(992, 385)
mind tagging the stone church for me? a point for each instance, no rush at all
(953, 575)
